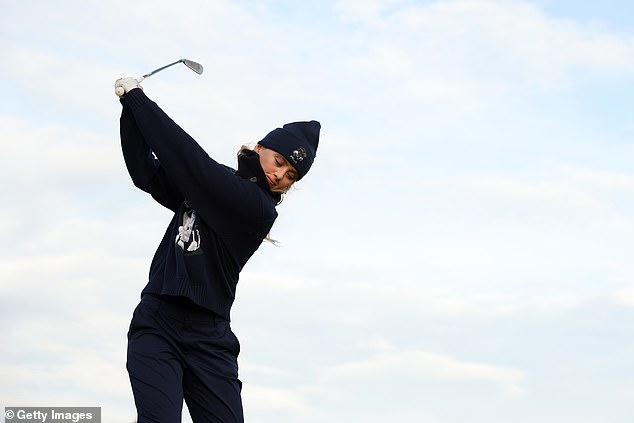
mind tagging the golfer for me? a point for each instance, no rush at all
(180, 343)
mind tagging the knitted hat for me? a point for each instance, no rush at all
(297, 142)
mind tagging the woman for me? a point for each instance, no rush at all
(180, 344)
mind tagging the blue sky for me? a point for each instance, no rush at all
(460, 251)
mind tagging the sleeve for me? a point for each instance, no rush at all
(224, 201)
(145, 170)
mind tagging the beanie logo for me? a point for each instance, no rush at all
(298, 155)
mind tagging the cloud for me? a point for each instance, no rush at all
(267, 399)
(424, 364)
(471, 54)
(65, 157)
(368, 12)
(624, 296)
(507, 189)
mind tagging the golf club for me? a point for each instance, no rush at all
(196, 67)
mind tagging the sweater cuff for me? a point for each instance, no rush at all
(135, 98)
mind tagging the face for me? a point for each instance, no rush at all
(279, 172)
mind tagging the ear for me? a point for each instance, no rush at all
(258, 148)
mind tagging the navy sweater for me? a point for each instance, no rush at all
(220, 218)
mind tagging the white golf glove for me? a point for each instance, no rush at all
(124, 85)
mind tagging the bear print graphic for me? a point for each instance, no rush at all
(188, 237)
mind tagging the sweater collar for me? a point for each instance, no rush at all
(249, 167)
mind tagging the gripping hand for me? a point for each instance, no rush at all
(124, 85)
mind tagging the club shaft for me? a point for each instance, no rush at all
(141, 78)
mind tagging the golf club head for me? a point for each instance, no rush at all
(196, 67)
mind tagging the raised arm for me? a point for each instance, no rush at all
(222, 199)
(145, 170)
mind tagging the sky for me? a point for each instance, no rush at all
(459, 252)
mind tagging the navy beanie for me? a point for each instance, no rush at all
(297, 142)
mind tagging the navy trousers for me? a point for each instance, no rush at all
(177, 352)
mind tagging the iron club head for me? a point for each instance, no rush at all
(195, 66)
